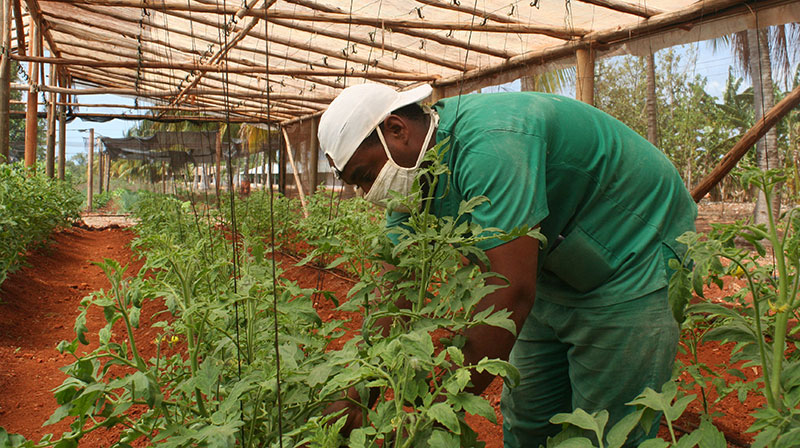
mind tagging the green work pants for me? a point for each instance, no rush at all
(589, 358)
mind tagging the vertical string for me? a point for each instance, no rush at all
(270, 136)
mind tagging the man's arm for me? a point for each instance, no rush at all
(516, 261)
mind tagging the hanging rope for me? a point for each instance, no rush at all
(276, 345)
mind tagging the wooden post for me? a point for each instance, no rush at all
(296, 174)
(163, 179)
(314, 147)
(282, 168)
(50, 157)
(90, 172)
(108, 172)
(5, 81)
(218, 175)
(31, 120)
(749, 139)
(585, 74)
(62, 134)
(100, 169)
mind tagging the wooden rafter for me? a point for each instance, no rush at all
(628, 8)
(222, 69)
(444, 40)
(225, 47)
(20, 27)
(353, 38)
(168, 93)
(291, 106)
(479, 14)
(398, 25)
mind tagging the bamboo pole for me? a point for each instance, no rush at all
(296, 174)
(218, 174)
(166, 93)
(585, 74)
(747, 141)
(625, 7)
(90, 172)
(5, 82)
(19, 26)
(402, 24)
(314, 148)
(352, 38)
(326, 52)
(62, 136)
(478, 13)
(656, 24)
(299, 106)
(444, 40)
(31, 119)
(221, 54)
(218, 68)
(100, 170)
(333, 54)
(50, 155)
(108, 172)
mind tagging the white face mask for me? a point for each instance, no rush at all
(394, 177)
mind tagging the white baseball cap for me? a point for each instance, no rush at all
(356, 112)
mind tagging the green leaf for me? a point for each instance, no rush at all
(475, 405)
(654, 443)
(789, 439)
(710, 436)
(443, 413)
(595, 422)
(618, 434)
(443, 439)
(576, 442)
(499, 367)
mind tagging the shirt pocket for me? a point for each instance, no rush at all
(580, 261)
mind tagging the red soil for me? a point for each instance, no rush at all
(39, 303)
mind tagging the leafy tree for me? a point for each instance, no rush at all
(689, 136)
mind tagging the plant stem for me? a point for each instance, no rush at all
(781, 304)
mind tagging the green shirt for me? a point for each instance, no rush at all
(609, 202)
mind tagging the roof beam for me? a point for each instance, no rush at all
(377, 45)
(325, 52)
(221, 69)
(20, 27)
(318, 6)
(88, 21)
(228, 45)
(518, 65)
(478, 13)
(268, 15)
(168, 93)
(291, 106)
(107, 78)
(400, 25)
(306, 105)
(628, 8)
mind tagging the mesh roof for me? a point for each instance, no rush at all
(175, 147)
(237, 60)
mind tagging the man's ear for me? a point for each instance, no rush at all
(396, 126)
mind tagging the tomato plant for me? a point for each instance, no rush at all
(31, 206)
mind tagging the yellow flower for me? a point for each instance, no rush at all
(174, 339)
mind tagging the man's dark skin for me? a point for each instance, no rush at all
(515, 260)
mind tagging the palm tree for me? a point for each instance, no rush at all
(551, 82)
(757, 52)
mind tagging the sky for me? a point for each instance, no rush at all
(713, 65)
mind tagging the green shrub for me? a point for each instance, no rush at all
(31, 206)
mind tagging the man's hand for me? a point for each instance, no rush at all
(517, 262)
